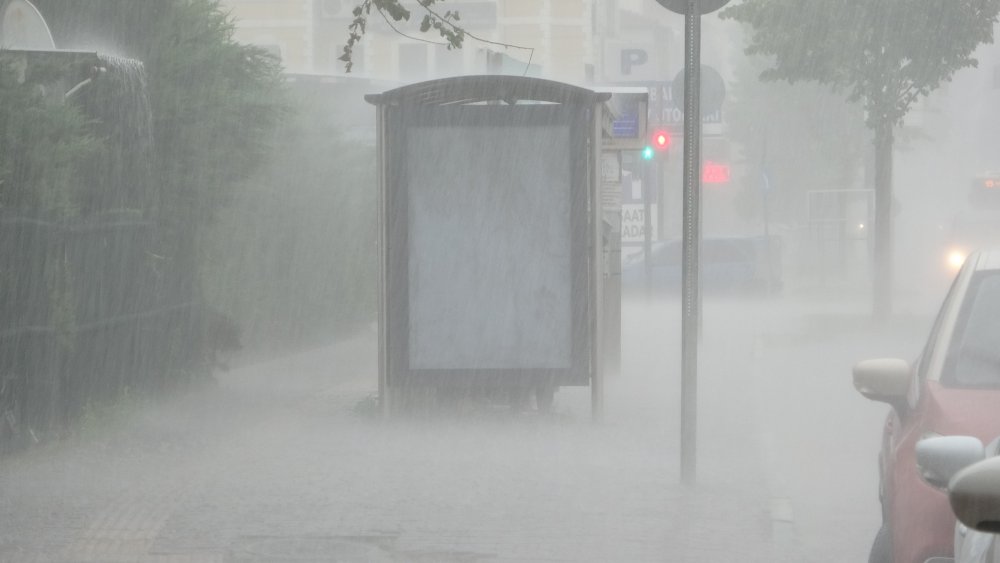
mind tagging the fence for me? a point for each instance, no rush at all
(84, 315)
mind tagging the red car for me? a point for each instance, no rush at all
(952, 388)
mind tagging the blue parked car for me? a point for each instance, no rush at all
(727, 264)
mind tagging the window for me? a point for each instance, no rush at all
(412, 62)
(974, 358)
(448, 62)
(924, 363)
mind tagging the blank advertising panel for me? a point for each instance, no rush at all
(489, 274)
(489, 248)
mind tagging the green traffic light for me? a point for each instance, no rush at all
(648, 153)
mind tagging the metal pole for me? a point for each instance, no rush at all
(597, 269)
(692, 236)
(648, 173)
(382, 240)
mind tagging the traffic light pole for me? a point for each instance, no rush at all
(648, 185)
(691, 238)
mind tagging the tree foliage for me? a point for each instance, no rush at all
(203, 118)
(799, 135)
(293, 258)
(446, 24)
(216, 104)
(117, 153)
(214, 101)
(885, 54)
(43, 141)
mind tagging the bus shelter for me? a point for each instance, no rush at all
(490, 238)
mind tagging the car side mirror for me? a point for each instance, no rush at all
(974, 494)
(941, 457)
(884, 379)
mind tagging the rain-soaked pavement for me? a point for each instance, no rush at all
(283, 461)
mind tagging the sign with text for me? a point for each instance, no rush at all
(634, 223)
(667, 111)
(628, 109)
(715, 173)
(630, 61)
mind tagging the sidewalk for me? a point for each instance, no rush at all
(276, 465)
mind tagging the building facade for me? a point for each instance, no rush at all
(577, 41)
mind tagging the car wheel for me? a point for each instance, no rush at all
(882, 547)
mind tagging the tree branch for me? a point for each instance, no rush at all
(425, 4)
(452, 32)
(394, 28)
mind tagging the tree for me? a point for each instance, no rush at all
(293, 258)
(447, 25)
(117, 152)
(795, 139)
(214, 102)
(43, 141)
(214, 105)
(794, 133)
(885, 55)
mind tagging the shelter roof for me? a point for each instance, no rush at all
(487, 88)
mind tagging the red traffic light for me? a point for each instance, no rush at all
(661, 140)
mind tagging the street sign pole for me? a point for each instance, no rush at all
(692, 238)
(690, 301)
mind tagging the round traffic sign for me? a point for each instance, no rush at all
(703, 6)
(712, 90)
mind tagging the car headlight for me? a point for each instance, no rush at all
(956, 257)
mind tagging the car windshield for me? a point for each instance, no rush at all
(974, 356)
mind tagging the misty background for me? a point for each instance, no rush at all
(197, 223)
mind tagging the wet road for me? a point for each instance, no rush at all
(282, 460)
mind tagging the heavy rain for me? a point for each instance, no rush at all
(446, 281)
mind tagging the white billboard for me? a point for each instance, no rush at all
(489, 247)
